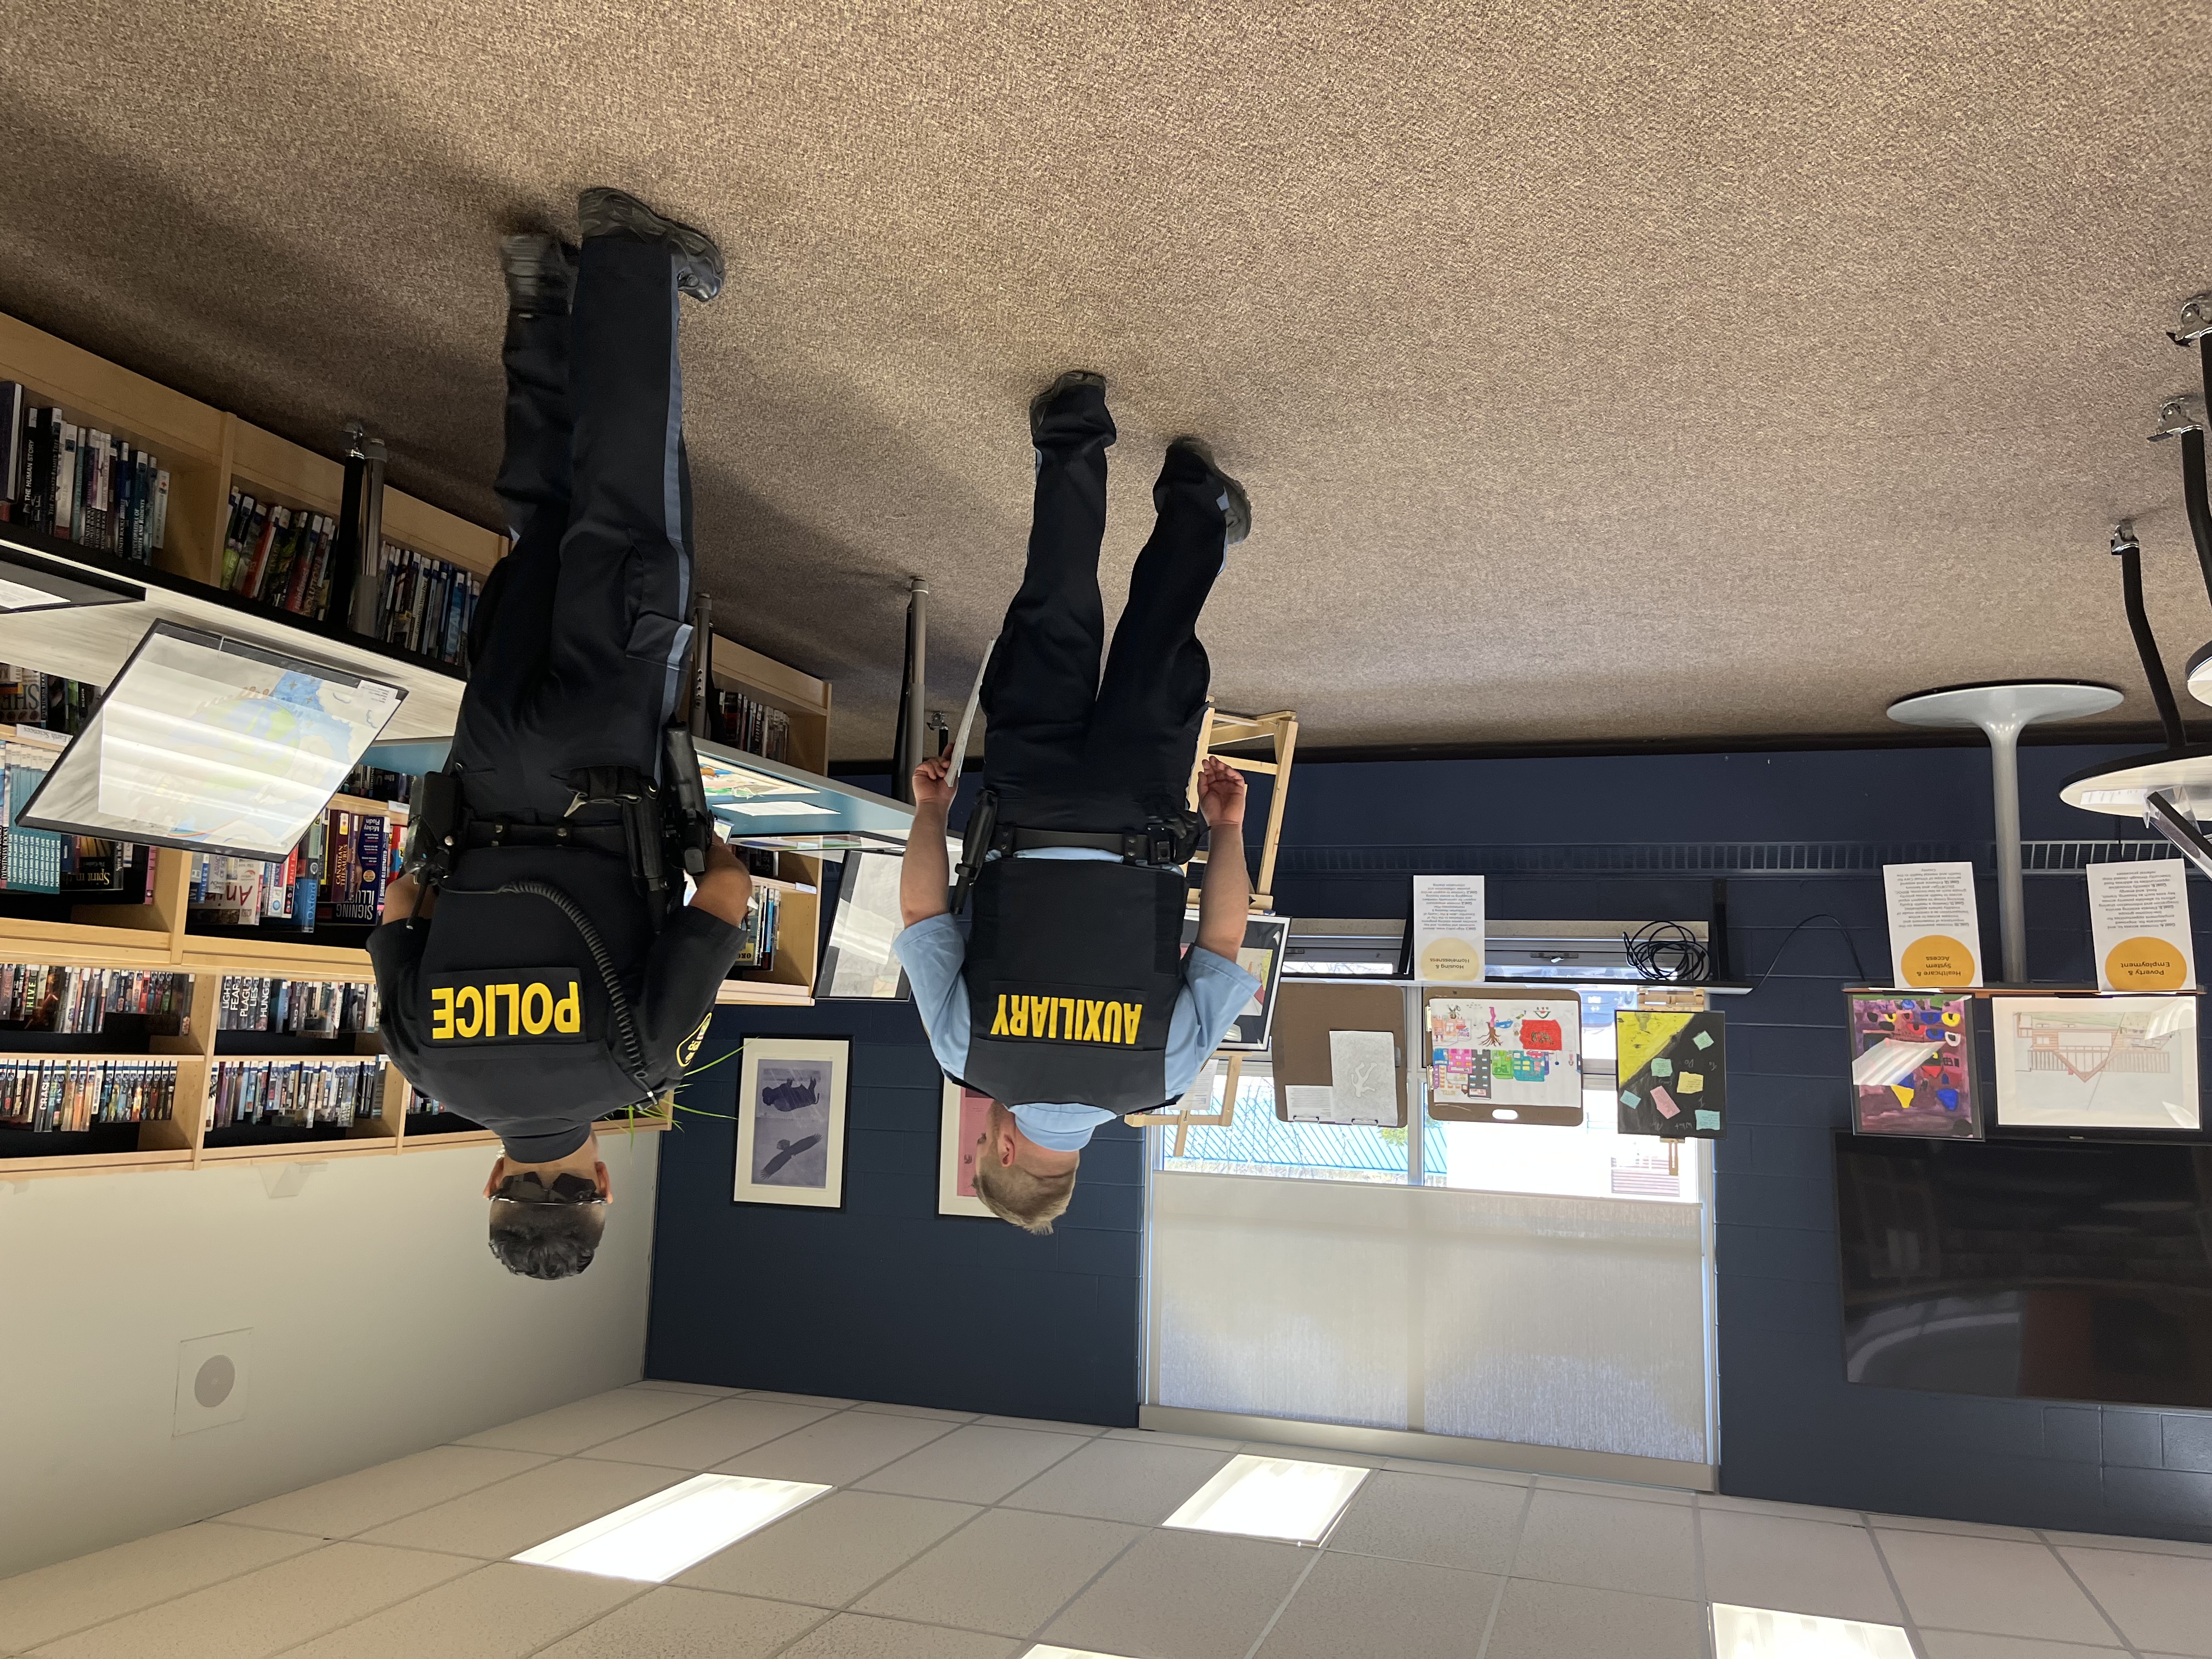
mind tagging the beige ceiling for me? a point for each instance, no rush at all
(1597, 371)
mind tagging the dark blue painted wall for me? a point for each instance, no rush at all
(886, 1299)
(1791, 1427)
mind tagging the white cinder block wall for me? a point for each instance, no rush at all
(380, 1324)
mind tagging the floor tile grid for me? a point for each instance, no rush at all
(2103, 1612)
(158, 1601)
(1867, 1521)
(1903, 1607)
(866, 1590)
(1697, 1556)
(704, 1400)
(1498, 1599)
(951, 1421)
(1863, 1521)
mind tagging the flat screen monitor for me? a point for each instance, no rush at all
(2055, 1272)
(214, 745)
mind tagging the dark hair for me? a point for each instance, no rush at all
(547, 1240)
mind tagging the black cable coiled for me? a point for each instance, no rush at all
(1668, 951)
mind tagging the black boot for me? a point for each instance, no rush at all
(1235, 505)
(604, 212)
(1066, 383)
(541, 274)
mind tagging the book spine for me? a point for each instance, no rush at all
(12, 447)
(241, 509)
(64, 517)
(158, 538)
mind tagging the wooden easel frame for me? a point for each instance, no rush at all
(1183, 1123)
(1281, 727)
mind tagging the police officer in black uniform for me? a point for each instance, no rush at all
(536, 965)
(1056, 982)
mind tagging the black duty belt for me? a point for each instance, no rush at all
(1154, 845)
(1163, 842)
(481, 833)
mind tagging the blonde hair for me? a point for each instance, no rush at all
(1030, 1201)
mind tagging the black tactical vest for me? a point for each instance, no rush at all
(510, 1006)
(1073, 971)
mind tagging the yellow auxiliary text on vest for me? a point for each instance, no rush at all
(1067, 1020)
(507, 1008)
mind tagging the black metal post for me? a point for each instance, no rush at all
(906, 751)
(2129, 551)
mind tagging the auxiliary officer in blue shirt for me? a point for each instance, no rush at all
(1062, 990)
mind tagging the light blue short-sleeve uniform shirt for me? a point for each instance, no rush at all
(1214, 991)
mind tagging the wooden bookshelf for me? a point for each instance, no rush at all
(183, 1140)
(805, 699)
(207, 453)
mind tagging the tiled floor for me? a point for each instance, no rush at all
(951, 1537)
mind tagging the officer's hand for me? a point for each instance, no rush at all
(726, 887)
(1221, 794)
(929, 788)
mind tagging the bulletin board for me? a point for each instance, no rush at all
(1305, 1015)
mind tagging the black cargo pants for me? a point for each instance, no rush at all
(578, 645)
(1064, 750)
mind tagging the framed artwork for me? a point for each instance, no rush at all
(2087, 1064)
(1267, 941)
(960, 1125)
(1506, 1059)
(1672, 1068)
(791, 1121)
(1913, 1070)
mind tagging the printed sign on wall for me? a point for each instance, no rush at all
(2139, 920)
(1935, 929)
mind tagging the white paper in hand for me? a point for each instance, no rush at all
(1363, 1068)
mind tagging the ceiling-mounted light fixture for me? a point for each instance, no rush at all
(2181, 419)
(2169, 789)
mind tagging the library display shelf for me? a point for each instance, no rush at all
(207, 453)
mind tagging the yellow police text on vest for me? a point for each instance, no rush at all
(506, 1008)
(1067, 1019)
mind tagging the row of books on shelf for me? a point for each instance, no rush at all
(294, 1093)
(756, 936)
(48, 860)
(79, 1001)
(74, 1094)
(287, 556)
(309, 1007)
(281, 555)
(338, 874)
(758, 728)
(424, 604)
(77, 484)
(48, 702)
(374, 783)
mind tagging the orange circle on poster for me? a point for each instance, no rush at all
(1938, 959)
(1451, 962)
(2145, 964)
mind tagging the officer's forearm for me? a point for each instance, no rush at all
(925, 873)
(1225, 897)
(723, 894)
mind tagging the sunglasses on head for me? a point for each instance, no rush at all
(530, 1188)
